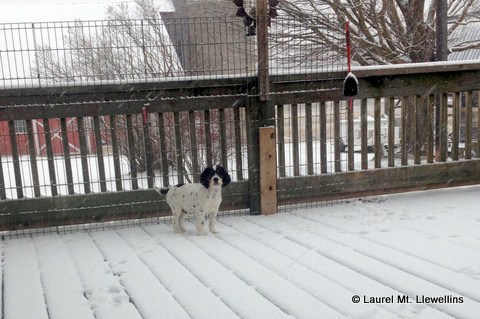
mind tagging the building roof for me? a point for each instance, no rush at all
(467, 34)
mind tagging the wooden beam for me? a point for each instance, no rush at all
(262, 50)
(268, 171)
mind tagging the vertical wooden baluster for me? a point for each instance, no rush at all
(82, 140)
(50, 158)
(281, 140)
(323, 138)
(193, 146)
(364, 133)
(178, 147)
(378, 149)
(16, 159)
(131, 152)
(404, 141)
(351, 140)
(430, 128)
(456, 126)
(391, 132)
(295, 137)
(309, 137)
(67, 157)
(116, 153)
(337, 137)
(33, 158)
(99, 149)
(238, 143)
(468, 125)
(163, 148)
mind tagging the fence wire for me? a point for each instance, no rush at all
(90, 52)
(207, 70)
(305, 45)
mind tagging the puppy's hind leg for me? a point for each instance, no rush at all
(176, 212)
(200, 223)
(181, 219)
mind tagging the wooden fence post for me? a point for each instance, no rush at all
(260, 111)
(262, 50)
(268, 170)
(253, 126)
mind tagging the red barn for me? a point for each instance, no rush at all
(39, 137)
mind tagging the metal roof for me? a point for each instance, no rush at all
(464, 34)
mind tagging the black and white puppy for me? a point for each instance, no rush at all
(201, 199)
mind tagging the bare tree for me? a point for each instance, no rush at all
(383, 31)
(119, 48)
(132, 43)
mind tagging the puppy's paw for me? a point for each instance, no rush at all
(214, 231)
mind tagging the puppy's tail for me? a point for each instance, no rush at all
(161, 190)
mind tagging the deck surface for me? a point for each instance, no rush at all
(410, 256)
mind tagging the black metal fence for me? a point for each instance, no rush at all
(90, 52)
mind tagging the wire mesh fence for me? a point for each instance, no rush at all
(89, 52)
(305, 45)
(94, 114)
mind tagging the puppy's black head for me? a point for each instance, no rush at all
(214, 175)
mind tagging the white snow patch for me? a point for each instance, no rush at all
(303, 263)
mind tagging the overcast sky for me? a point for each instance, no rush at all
(57, 10)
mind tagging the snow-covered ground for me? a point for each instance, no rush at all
(413, 255)
(94, 175)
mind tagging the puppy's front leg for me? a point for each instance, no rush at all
(200, 222)
(181, 218)
(212, 218)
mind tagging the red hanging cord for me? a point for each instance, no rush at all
(348, 47)
(348, 60)
(145, 120)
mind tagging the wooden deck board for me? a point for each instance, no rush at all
(394, 252)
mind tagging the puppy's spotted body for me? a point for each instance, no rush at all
(201, 199)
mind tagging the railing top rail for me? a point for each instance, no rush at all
(222, 80)
(122, 85)
(383, 70)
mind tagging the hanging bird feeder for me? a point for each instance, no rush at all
(350, 84)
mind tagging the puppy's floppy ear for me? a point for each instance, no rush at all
(205, 177)
(225, 177)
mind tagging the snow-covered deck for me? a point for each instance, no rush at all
(412, 255)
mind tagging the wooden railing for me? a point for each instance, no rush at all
(424, 120)
(76, 154)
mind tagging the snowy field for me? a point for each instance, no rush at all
(413, 255)
(126, 180)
